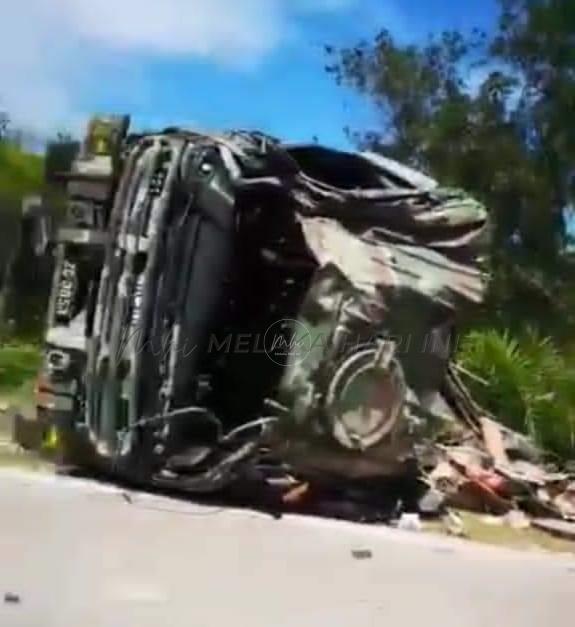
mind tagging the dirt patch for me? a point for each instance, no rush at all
(12, 456)
(496, 532)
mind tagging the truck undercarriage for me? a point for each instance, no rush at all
(224, 305)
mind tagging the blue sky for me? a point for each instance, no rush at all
(206, 63)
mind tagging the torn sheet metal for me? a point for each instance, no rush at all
(396, 266)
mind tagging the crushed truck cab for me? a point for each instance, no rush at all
(226, 303)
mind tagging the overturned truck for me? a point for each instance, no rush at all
(226, 304)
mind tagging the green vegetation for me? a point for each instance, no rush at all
(491, 114)
(19, 364)
(20, 173)
(528, 384)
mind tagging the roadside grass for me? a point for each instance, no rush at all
(20, 173)
(489, 530)
(19, 364)
(23, 460)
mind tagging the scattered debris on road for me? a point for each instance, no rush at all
(517, 519)
(497, 472)
(454, 524)
(559, 528)
(362, 554)
(410, 522)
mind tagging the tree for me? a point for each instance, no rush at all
(506, 135)
(491, 114)
(537, 40)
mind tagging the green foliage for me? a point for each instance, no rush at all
(18, 364)
(528, 385)
(20, 173)
(493, 116)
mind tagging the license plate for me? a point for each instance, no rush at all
(66, 294)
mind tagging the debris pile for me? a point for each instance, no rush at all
(497, 471)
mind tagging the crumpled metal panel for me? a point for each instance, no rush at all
(396, 266)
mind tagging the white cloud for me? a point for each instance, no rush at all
(52, 52)
(220, 29)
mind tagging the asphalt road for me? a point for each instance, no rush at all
(80, 554)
